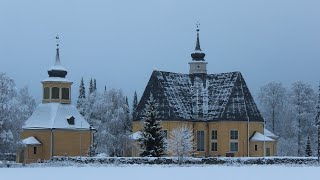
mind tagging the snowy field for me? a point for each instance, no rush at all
(159, 172)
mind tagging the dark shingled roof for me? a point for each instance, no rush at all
(200, 97)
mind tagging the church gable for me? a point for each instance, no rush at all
(241, 105)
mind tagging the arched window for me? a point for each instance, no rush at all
(65, 93)
(55, 93)
(46, 93)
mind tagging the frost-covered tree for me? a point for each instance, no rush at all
(91, 88)
(308, 148)
(180, 143)
(272, 98)
(109, 114)
(134, 104)
(16, 106)
(94, 85)
(152, 140)
(317, 123)
(303, 101)
(81, 98)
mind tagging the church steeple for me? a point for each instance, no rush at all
(57, 70)
(198, 64)
(56, 88)
(198, 55)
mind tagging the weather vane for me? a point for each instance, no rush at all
(57, 40)
(198, 26)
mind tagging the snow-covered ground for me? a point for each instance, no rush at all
(158, 172)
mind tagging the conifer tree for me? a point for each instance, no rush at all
(94, 85)
(81, 97)
(135, 104)
(308, 148)
(152, 141)
(91, 86)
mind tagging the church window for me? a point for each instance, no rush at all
(55, 93)
(65, 93)
(46, 93)
(214, 140)
(34, 150)
(234, 145)
(200, 140)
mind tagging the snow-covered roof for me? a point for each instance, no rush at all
(136, 136)
(31, 141)
(260, 137)
(203, 97)
(55, 115)
(56, 79)
(270, 134)
(57, 67)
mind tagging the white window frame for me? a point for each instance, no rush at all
(233, 140)
(214, 140)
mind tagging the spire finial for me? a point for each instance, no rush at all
(57, 41)
(57, 53)
(198, 26)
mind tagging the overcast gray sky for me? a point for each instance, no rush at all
(121, 42)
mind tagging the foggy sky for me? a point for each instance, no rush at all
(121, 42)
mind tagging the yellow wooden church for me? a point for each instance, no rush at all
(56, 128)
(218, 108)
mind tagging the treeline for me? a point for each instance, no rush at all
(107, 111)
(290, 113)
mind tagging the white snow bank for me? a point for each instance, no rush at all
(158, 172)
(31, 141)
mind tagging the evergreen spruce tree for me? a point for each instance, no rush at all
(94, 85)
(308, 148)
(81, 97)
(91, 86)
(152, 141)
(135, 104)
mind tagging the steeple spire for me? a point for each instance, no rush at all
(198, 41)
(198, 55)
(198, 65)
(57, 70)
(57, 62)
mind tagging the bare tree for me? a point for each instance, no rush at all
(272, 97)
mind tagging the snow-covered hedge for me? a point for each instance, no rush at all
(8, 157)
(170, 160)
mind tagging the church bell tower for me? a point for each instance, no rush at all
(198, 65)
(57, 88)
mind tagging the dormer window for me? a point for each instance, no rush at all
(70, 120)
